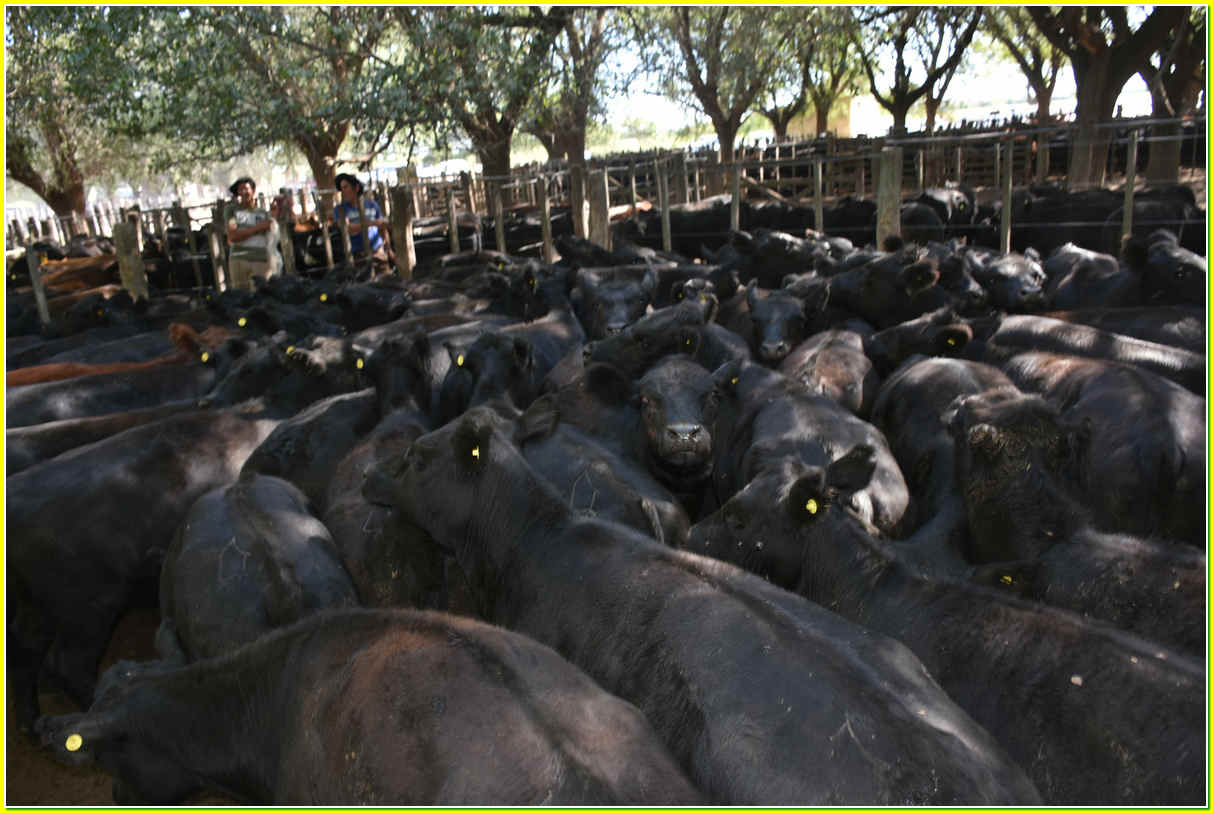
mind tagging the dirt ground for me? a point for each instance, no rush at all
(33, 778)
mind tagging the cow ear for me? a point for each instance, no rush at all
(688, 340)
(919, 276)
(457, 356)
(471, 442)
(539, 420)
(77, 739)
(807, 497)
(853, 470)
(815, 299)
(607, 382)
(522, 353)
(951, 339)
(751, 293)
(726, 376)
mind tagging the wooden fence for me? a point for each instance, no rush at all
(817, 173)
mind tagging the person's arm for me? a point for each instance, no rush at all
(238, 234)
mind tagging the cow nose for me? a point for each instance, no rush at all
(615, 328)
(775, 350)
(683, 432)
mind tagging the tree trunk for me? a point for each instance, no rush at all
(1163, 166)
(495, 157)
(726, 136)
(823, 118)
(321, 165)
(900, 110)
(932, 106)
(1043, 100)
(1096, 103)
(780, 125)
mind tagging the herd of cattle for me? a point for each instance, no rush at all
(777, 518)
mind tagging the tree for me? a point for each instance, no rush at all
(560, 117)
(1104, 52)
(241, 78)
(725, 55)
(1175, 84)
(831, 65)
(483, 68)
(57, 138)
(1039, 61)
(916, 37)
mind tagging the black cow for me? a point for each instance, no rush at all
(1094, 715)
(704, 650)
(25, 446)
(391, 562)
(832, 363)
(1171, 274)
(1181, 326)
(1080, 277)
(908, 411)
(608, 300)
(778, 321)
(1142, 465)
(247, 558)
(776, 420)
(1154, 590)
(1015, 282)
(366, 707)
(306, 447)
(80, 551)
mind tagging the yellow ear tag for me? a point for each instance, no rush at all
(206, 357)
(951, 342)
(459, 360)
(688, 342)
(100, 312)
(734, 381)
(324, 297)
(476, 453)
(241, 322)
(290, 349)
(74, 742)
(1006, 579)
(811, 506)
(358, 364)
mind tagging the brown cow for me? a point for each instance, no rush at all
(189, 343)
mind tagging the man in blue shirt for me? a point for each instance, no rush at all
(351, 189)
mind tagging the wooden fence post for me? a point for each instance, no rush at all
(735, 193)
(888, 195)
(600, 209)
(818, 196)
(1007, 179)
(19, 230)
(403, 202)
(577, 199)
(545, 223)
(34, 263)
(680, 169)
(325, 211)
(920, 160)
(663, 195)
(218, 260)
(452, 219)
(959, 164)
(498, 215)
(1126, 226)
(860, 177)
(286, 234)
(347, 245)
(632, 186)
(130, 259)
(998, 164)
